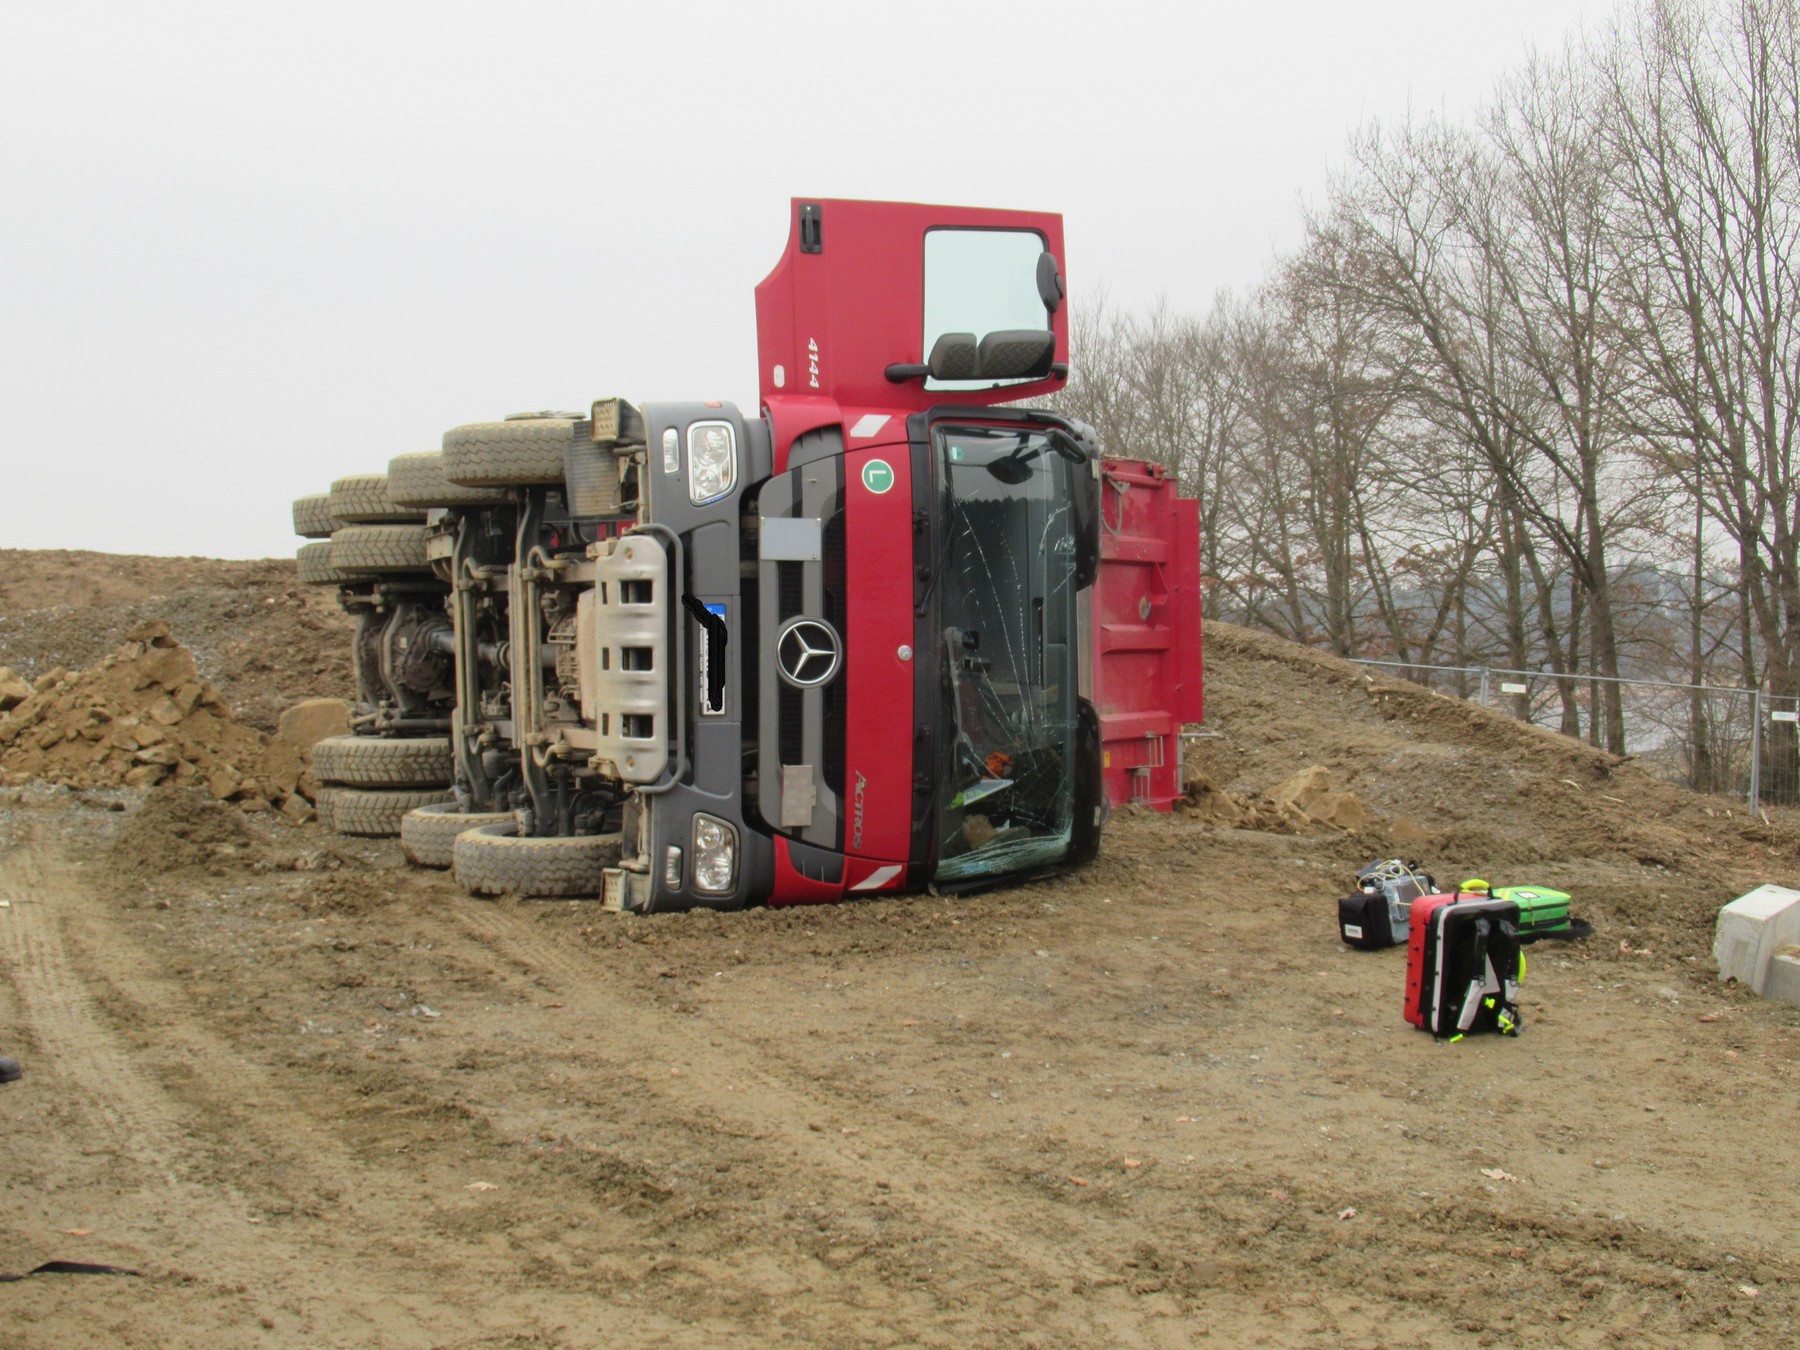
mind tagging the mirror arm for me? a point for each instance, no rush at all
(902, 371)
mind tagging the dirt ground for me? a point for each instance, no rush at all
(318, 1098)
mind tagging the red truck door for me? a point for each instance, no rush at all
(848, 321)
(1146, 630)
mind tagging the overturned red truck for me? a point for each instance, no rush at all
(896, 630)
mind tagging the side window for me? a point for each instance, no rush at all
(979, 282)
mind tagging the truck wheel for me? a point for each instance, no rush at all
(592, 474)
(312, 516)
(418, 481)
(380, 548)
(375, 761)
(313, 562)
(493, 860)
(362, 499)
(428, 833)
(527, 451)
(377, 811)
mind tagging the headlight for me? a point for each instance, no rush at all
(715, 855)
(712, 461)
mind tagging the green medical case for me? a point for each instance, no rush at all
(1541, 910)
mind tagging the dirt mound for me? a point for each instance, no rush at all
(1304, 801)
(178, 827)
(1468, 790)
(262, 639)
(141, 717)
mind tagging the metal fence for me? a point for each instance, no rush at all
(1712, 738)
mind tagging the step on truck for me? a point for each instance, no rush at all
(898, 629)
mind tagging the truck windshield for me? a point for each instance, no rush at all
(1005, 588)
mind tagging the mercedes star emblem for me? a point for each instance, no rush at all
(808, 652)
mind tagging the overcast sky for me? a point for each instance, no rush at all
(246, 248)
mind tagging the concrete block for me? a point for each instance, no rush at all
(1783, 979)
(1752, 929)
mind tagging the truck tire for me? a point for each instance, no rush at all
(312, 516)
(313, 562)
(418, 481)
(494, 860)
(375, 761)
(592, 478)
(428, 833)
(380, 548)
(362, 499)
(377, 812)
(526, 451)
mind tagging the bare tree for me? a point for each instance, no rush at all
(1704, 105)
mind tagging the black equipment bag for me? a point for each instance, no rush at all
(1376, 915)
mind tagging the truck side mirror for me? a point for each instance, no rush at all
(1017, 353)
(954, 356)
(1050, 282)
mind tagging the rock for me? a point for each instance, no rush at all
(49, 679)
(297, 809)
(1205, 798)
(164, 667)
(145, 775)
(223, 781)
(1309, 797)
(152, 633)
(157, 754)
(13, 690)
(1341, 810)
(284, 766)
(312, 720)
(1302, 790)
(165, 711)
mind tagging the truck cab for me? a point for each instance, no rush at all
(873, 587)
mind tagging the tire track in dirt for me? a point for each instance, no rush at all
(116, 1101)
(86, 992)
(930, 1180)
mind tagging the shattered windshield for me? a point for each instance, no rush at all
(1006, 603)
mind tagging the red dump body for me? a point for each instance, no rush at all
(1146, 636)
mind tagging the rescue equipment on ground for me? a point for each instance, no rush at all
(1375, 915)
(1544, 913)
(1464, 963)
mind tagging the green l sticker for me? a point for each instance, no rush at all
(878, 476)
